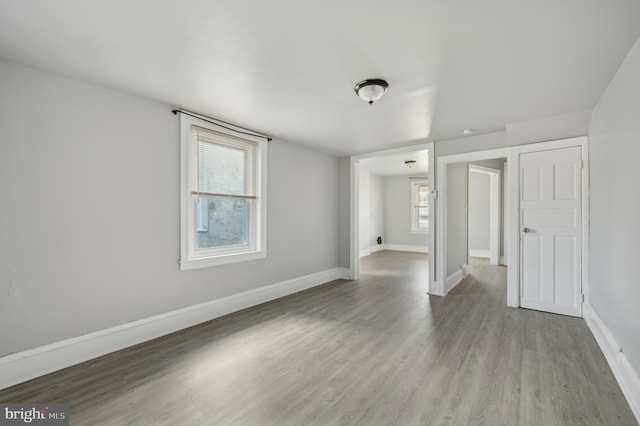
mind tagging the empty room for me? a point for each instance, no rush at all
(319, 213)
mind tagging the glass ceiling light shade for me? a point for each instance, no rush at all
(371, 90)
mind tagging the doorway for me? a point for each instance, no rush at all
(390, 197)
(484, 213)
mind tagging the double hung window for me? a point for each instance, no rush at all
(223, 197)
(419, 206)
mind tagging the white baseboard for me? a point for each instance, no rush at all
(394, 247)
(486, 255)
(455, 278)
(480, 253)
(627, 377)
(376, 248)
(406, 247)
(26, 365)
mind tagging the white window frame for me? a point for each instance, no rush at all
(257, 227)
(415, 184)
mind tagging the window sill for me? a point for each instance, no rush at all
(206, 262)
(413, 231)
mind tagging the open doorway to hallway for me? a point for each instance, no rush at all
(391, 197)
(472, 206)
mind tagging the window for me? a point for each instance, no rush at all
(419, 206)
(223, 197)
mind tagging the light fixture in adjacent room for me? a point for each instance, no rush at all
(410, 163)
(371, 90)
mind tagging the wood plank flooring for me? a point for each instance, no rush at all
(378, 351)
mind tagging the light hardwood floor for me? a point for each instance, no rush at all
(378, 351)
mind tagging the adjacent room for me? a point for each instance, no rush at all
(393, 206)
(285, 213)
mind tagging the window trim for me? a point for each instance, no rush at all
(415, 184)
(188, 222)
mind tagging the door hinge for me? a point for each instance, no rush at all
(434, 194)
(581, 164)
(582, 297)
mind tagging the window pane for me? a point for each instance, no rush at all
(221, 169)
(423, 217)
(225, 223)
(423, 195)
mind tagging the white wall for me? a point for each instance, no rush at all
(471, 144)
(344, 211)
(376, 208)
(398, 213)
(479, 211)
(364, 209)
(457, 235)
(614, 149)
(549, 128)
(497, 163)
(89, 222)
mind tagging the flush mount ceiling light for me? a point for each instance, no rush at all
(371, 90)
(410, 163)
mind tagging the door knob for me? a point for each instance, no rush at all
(527, 230)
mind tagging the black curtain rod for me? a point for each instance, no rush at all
(217, 122)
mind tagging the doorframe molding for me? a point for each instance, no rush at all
(354, 162)
(512, 187)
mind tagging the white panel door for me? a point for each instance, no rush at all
(551, 231)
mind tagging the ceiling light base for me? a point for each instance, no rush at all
(371, 90)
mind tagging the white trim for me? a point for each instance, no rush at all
(494, 228)
(505, 212)
(433, 285)
(627, 377)
(512, 238)
(376, 248)
(480, 253)
(456, 278)
(225, 259)
(394, 247)
(354, 248)
(406, 247)
(485, 254)
(26, 365)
